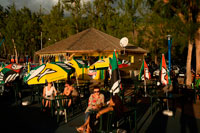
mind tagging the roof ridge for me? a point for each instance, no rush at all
(104, 37)
(84, 32)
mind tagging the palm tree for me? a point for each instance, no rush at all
(188, 12)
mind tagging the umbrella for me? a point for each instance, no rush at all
(104, 64)
(77, 63)
(80, 67)
(100, 64)
(14, 67)
(80, 63)
(9, 73)
(48, 73)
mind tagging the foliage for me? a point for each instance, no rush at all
(145, 22)
(21, 26)
(53, 26)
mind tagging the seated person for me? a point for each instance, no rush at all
(115, 104)
(70, 91)
(73, 80)
(48, 91)
(95, 102)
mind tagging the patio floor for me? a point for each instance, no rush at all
(30, 119)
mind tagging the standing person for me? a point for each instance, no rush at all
(49, 91)
(95, 102)
(115, 104)
(70, 91)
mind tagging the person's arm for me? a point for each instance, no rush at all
(103, 100)
(72, 88)
(90, 101)
(44, 91)
(101, 104)
(55, 91)
(103, 111)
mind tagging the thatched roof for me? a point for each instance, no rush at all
(90, 40)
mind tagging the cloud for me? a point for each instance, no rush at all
(33, 5)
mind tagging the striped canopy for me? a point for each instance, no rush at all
(105, 63)
(48, 73)
(78, 62)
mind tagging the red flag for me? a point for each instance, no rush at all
(144, 71)
(163, 71)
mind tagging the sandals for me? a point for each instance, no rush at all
(79, 129)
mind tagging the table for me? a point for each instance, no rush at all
(53, 100)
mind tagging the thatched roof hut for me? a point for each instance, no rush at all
(91, 42)
(87, 41)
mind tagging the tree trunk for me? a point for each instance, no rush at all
(156, 59)
(189, 56)
(188, 65)
(16, 55)
(76, 27)
(5, 53)
(197, 44)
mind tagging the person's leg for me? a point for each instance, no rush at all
(85, 125)
(87, 114)
(46, 104)
(43, 102)
(88, 128)
(49, 104)
(70, 102)
(66, 102)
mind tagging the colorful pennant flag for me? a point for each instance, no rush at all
(164, 74)
(115, 76)
(144, 71)
(123, 63)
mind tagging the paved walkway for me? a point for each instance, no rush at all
(186, 119)
(29, 119)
